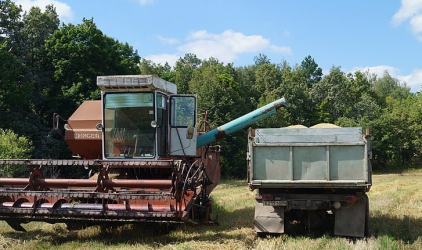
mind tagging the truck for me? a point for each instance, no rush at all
(151, 158)
(312, 177)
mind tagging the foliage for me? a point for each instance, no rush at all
(222, 97)
(50, 68)
(183, 71)
(10, 15)
(13, 146)
(311, 71)
(81, 53)
(11, 95)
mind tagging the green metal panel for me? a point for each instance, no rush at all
(347, 163)
(272, 163)
(309, 163)
(309, 157)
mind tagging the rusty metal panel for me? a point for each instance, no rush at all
(81, 134)
(94, 162)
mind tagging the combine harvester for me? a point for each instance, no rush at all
(153, 160)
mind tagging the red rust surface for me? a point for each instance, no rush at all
(82, 136)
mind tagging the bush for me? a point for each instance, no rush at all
(13, 146)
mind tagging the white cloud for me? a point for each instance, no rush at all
(226, 46)
(145, 2)
(414, 80)
(63, 9)
(163, 58)
(416, 26)
(378, 70)
(166, 40)
(233, 41)
(281, 50)
(410, 10)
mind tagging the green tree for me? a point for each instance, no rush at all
(13, 146)
(10, 20)
(11, 95)
(183, 72)
(222, 97)
(148, 67)
(295, 89)
(415, 125)
(32, 105)
(335, 90)
(267, 82)
(11, 67)
(386, 86)
(311, 71)
(261, 59)
(362, 99)
(391, 136)
(81, 53)
(37, 28)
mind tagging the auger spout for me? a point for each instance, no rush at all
(241, 122)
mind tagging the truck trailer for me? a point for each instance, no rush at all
(312, 176)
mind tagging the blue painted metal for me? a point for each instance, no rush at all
(241, 122)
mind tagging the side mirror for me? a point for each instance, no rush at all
(189, 132)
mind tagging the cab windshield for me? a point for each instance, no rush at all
(127, 124)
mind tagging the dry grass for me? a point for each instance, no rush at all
(396, 223)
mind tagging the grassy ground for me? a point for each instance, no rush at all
(395, 214)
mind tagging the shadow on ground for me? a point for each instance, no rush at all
(232, 225)
(406, 229)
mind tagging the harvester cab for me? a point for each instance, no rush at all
(153, 160)
(138, 117)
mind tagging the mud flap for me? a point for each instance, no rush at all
(268, 219)
(350, 219)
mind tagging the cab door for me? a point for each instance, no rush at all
(182, 125)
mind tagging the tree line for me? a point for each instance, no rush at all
(47, 67)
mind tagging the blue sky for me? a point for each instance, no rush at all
(361, 35)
